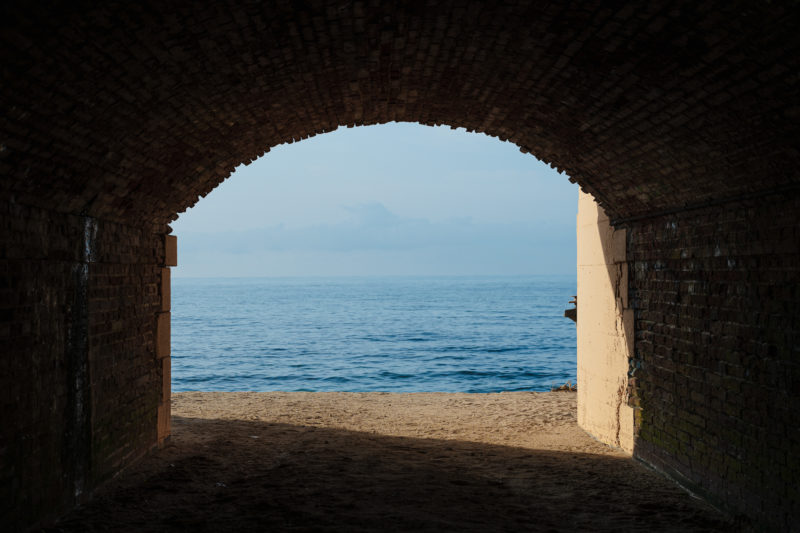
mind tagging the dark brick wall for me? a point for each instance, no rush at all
(124, 301)
(81, 384)
(132, 110)
(40, 260)
(716, 296)
(129, 112)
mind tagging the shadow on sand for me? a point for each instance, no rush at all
(230, 475)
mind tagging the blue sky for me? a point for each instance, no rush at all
(394, 199)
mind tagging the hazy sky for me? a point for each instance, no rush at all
(395, 199)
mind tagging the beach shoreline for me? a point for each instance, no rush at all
(536, 420)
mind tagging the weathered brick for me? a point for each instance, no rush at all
(661, 115)
(73, 285)
(730, 383)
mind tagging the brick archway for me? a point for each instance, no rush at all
(125, 113)
(680, 119)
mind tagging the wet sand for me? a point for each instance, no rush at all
(387, 462)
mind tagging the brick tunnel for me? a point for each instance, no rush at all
(681, 120)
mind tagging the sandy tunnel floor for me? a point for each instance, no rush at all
(299, 461)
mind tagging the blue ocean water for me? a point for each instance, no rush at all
(398, 334)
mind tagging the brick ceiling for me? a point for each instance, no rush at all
(130, 111)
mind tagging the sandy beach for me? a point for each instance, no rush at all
(277, 461)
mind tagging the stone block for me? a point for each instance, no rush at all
(166, 289)
(622, 286)
(166, 379)
(164, 422)
(170, 250)
(163, 335)
(618, 245)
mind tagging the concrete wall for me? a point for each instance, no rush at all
(605, 328)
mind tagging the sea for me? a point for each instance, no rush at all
(391, 334)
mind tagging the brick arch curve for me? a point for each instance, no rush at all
(681, 117)
(133, 111)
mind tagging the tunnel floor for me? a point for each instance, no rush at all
(386, 462)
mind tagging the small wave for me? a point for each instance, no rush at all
(449, 358)
(379, 338)
(506, 349)
(459, 348)
(334, 379)
(396, 375)
(471, 373)
(422, 336)
(497, 374)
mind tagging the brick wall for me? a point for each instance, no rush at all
(124, 302)
(81, 384)
(140, 108)
(42, 434)
(716, 295)
(131, 111)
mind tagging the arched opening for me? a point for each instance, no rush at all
(505, 421)
(681, 120)
(458, 257)
(493, 429)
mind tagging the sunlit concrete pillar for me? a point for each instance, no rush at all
(163, 338)
(605, 327)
